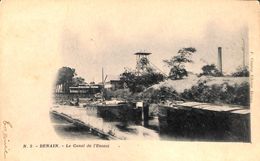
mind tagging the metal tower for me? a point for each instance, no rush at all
(142, 62)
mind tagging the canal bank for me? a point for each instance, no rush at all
(68, 130)
(173, 121)
(86, 117)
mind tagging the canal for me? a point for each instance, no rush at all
(204, 122)
(88, 116)
(68, 130)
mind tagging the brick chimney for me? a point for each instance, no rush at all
(220, 59)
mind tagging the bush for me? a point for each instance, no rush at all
(177, 73)
(138, 84)
(162, 94)
(223, 93)
(120, 93)
(210, 70)
(241, 72)
(237, 94)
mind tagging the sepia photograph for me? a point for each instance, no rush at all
(176, 81)
(129, 80)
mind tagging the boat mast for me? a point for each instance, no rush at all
(102, 76)
(103, 85)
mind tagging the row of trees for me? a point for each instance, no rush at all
(201, 92)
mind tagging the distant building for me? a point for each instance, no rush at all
(86, 89)
(114, 83)
(59, 89)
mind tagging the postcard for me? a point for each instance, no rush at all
(129, 80)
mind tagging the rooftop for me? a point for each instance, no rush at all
(142, 53)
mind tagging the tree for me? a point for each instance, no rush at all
(77, 81)
(65, 75)
(137, 83)
(129, 78)
(177, 63)
(210, 70)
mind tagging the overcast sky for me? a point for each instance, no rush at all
(97, 35)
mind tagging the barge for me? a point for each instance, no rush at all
(205, 121)
(119, 111)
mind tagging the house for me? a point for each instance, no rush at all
(114, 82)
(86, 89)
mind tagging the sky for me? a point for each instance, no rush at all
(97, 35)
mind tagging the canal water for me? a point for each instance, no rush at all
(88, 115)
(183, 129)
(68, 130)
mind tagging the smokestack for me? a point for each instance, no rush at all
(220, 59)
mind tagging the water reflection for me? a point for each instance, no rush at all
(68, 130)
(119, 129)
(160, 126)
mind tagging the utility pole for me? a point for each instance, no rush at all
(243, 50)
(103, 85)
